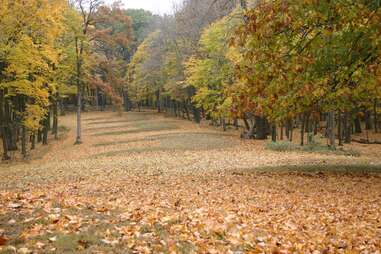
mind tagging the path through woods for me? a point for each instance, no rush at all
(149, 184)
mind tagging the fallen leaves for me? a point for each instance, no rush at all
(3, 240)
(186, 201)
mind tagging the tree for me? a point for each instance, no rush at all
(211, 71)
(112, 39)
(82, 39)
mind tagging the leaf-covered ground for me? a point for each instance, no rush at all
(142, 183)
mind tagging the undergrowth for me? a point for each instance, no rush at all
(287, 146)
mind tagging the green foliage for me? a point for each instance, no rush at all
(287, 146)
(141, 23)
(211, 72)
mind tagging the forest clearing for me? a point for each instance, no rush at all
(145, 183)
(190, 126)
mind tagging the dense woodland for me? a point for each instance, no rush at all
(270, 66)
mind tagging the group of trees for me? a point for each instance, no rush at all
(30, 61)
(274, 64)
(271, 65)
(51, 50)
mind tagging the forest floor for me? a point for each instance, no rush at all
(143, 183)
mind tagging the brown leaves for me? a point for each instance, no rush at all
(3, 240)
(187, 201)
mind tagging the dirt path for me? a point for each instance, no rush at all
(142, 183)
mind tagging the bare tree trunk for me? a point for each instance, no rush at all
(79, 51)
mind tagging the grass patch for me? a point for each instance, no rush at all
(181, 141)
(63, 129)
(95, 119)
(195, 141)
(127, 151)
(286, 146)
(315, 168)
(151, 127)
(282, 146)
(112, 143)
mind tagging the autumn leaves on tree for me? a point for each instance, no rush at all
(64, 48)
(276, 65)
(269, 66)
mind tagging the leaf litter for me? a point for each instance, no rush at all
(186, 201)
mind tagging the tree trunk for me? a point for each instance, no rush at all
(347, 128)
(45, 130)
(223, 123)
(273, 133)
(33, 141)
(23, 141)
(97, 98)
(261, 130)
(332, 137)
(79, 50)
(3, 123)
(358, 125)
(375, 115)
(55, 119)
(339, 129)
(302, 129)
(79, 138)
(39, 136)
(368, 120)
(158, 101)
(186, 111)
(196, 114)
